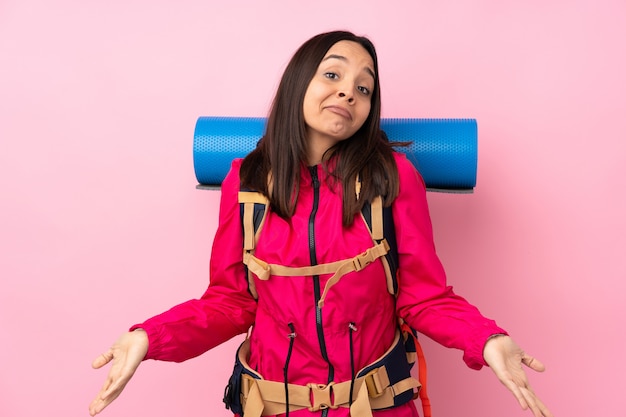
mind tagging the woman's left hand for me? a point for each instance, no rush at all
(505, 358)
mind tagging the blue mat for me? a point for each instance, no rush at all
(443, 150)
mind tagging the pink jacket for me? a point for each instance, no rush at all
(321, 346)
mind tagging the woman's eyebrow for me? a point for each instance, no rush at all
(343, 58)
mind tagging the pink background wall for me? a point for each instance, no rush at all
(101, 227)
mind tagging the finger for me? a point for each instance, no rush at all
(537, 407)
(115, 387)
(109, 392)
(108, 397)
(517, 392)
(544, 410)
(529, 397)
(533, 363)
(99, 402)
(96, 406)
(102, 359)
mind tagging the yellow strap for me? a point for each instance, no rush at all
(405, 385)
(339, 268)
(361, 407)
(248, 226)
(377, 380)
(376, 231)
(263, 270)
(377, 218)
(250, 237)
(355, 264)
(254, 402)
(266, 398)
(249, 199)
(252, 197)
(258, 267)
(370, 392)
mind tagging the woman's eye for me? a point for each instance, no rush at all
(331, 75)
(364, 90)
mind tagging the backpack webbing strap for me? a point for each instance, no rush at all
(379, 219)
(372, 391)
(253, 212)
(267, 398)
(249, 199)
(264, 270)
(254, 205)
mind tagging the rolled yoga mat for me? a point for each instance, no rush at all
(443, 150)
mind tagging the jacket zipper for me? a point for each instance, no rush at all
(316, 279)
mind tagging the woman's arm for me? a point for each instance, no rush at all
(225, 310)
(191, 328)
(425, 300)
(430, 306)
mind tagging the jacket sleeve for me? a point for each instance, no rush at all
(225, 310)
(424, 300)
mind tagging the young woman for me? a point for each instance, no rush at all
(321, 160)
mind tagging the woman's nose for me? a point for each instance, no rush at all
(350, 97)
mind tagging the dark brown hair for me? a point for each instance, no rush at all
(283, 148)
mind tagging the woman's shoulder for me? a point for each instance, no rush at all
(236, 163)
(401, 159)
(406, 170)
(232, 179)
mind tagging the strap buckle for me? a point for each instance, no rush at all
(358, 265)
(321, 396)
(362, 260)
(376, 381)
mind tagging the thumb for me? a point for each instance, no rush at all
(102, 359)
(533, 363)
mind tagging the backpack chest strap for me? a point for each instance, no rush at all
(264, 270)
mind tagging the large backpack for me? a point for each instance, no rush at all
(379, 221)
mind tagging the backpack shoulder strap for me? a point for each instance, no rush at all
(253, 210)
(379, 221)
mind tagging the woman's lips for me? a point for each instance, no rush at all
(340, 111)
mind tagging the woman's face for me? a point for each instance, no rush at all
(338, 99)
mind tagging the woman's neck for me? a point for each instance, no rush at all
(318, 147)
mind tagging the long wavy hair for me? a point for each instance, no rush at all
(282, 150)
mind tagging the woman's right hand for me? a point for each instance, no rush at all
(126, 353)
